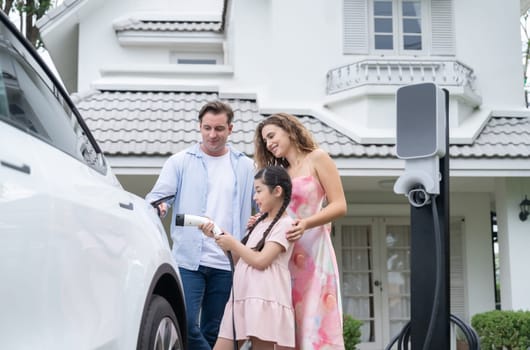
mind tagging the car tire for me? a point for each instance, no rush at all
(160, 329)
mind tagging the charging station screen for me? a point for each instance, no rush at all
(416, 128)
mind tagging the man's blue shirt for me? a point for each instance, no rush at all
(185, 175)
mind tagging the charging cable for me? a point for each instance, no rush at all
(418, 197)
(195, 220)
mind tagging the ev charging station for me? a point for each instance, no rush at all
(422, 140)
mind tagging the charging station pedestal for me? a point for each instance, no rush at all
(423, 109)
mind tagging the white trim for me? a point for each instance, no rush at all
(55, 14)
(182, 40)
(238, 95)
(392, 167)
(70, 11)
(136, 165)
(487, 167)
(167, 70)
(510, 113)
(386, 89)
(458, 167)
(125, 84)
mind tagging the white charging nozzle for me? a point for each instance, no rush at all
(195, 220)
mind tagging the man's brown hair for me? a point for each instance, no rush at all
(217, 107)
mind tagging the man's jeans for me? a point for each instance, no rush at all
(206, 292)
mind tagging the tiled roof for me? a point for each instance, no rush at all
(161, 123)
(502, 137)
(168, 26)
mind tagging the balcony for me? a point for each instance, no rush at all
(397, 72)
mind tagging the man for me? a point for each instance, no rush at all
(214, 180)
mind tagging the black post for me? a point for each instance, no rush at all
(424, 269)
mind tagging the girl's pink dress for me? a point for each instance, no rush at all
(262, 298)
(313, 266)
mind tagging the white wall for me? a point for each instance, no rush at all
(185, 6)
(489, 40)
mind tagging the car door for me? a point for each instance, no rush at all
(24, 227)
(90, 250)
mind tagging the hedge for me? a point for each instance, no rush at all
(500, 330)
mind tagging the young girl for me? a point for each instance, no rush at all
(263, 310)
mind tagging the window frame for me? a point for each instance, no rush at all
(397, 27)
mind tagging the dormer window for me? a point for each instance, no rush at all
(196, 61)
(196, 57)
(190, 42)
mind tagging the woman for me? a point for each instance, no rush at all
(282, 140)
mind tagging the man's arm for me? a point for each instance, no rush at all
(166, 184)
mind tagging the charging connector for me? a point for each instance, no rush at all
(418, 196)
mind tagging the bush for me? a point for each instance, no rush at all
(503, 329)
(351, 332)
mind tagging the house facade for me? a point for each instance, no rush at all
(139, 71)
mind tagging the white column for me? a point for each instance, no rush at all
(477, 258)
(514, 243)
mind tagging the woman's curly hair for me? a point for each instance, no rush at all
(298, 134)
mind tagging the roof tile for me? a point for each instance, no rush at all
(162, 123)
(167, 26)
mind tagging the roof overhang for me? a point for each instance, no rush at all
(59, 30)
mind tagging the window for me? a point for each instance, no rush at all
(196, 61)
(206, 58)
(31, 102)
(397, 25)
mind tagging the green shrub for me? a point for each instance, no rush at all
(503, 329)
(352, 332)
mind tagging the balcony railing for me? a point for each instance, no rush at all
(399, 72)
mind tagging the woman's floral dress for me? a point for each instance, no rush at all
(313, 266)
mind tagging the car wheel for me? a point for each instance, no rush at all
(160, 329)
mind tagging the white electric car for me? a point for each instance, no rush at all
(83, 263)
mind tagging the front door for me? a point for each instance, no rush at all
(374, 258)
(373, 254)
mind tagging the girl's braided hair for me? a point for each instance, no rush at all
(271, 176)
